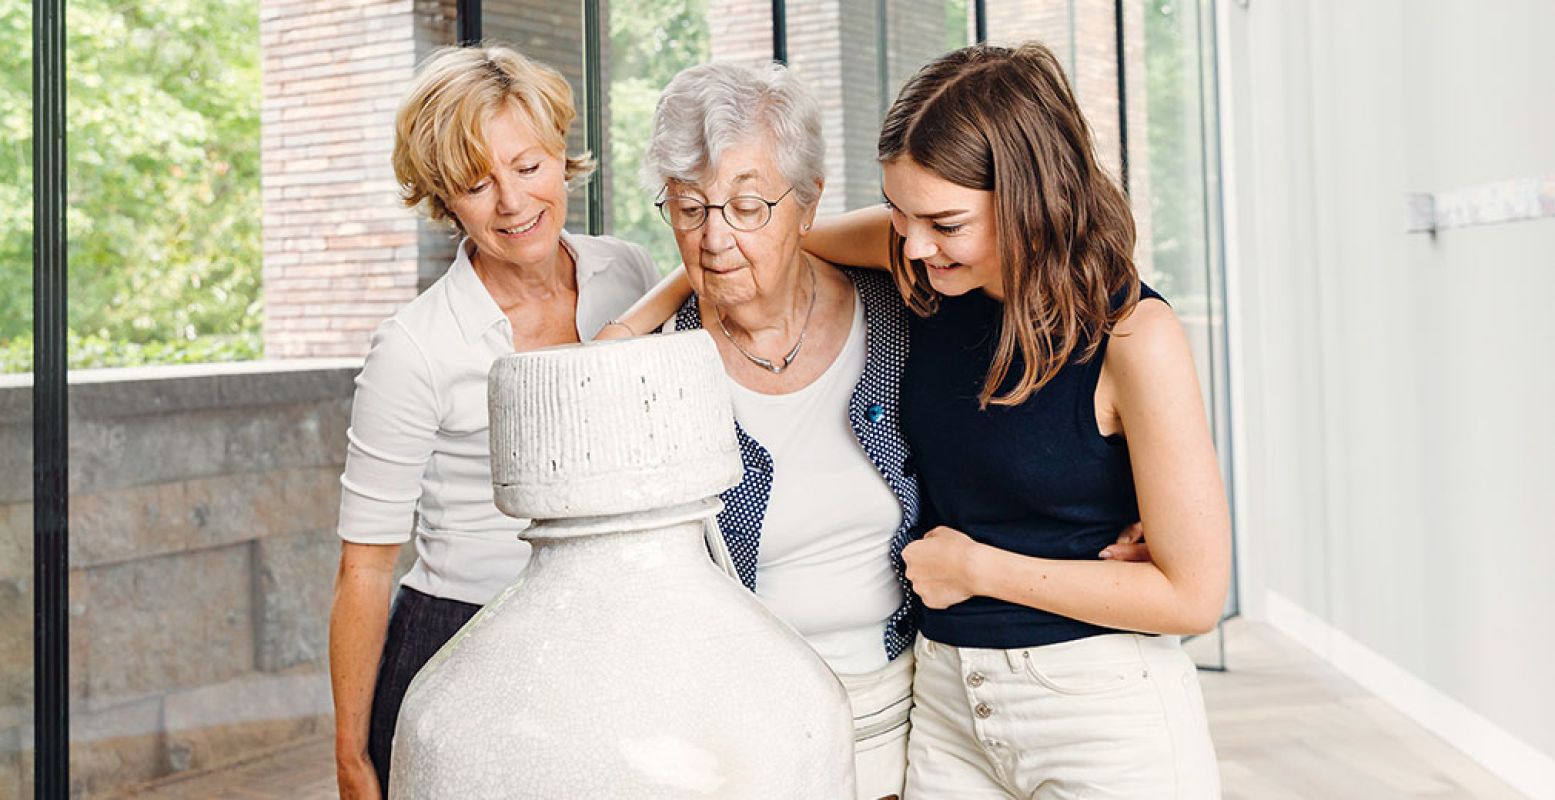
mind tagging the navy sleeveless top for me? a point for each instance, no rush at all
(1037, 479)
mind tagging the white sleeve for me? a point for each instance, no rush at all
(394, 422)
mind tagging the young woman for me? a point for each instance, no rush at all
(1050, 400)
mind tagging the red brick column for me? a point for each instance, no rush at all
(340, 251)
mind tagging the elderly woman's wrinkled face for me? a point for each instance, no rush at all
(728, 266)
(514, 214)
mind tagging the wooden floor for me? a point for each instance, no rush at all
(1286, 726)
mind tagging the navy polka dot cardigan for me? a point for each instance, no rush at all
(873, 413)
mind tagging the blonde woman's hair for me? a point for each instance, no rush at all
(440, 147)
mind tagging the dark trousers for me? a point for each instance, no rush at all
(418, 625)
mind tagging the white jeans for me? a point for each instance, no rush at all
(1113, 716)
(881, 703)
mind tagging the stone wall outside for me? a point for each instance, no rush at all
(202, 551)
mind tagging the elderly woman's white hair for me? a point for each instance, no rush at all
(708, 108)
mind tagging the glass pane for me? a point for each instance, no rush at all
(1083, 34)
(650, 41)
(16, 551)
(550, 32)
(165, 253)
(856, 54)
(1174, 198)
(203, 496)
(1174, 183)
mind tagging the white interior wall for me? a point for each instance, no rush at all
(1393, 392)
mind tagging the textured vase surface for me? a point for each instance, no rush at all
(622, 663)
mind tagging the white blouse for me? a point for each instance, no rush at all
(418, 460)
(824, 566)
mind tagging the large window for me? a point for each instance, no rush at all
(1174, 90)
(164, 213)
(231, 197)
(856, 55)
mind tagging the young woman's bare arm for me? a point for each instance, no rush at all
(652, 309)
(860, 238)
(1181, 501)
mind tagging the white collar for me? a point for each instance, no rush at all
(473, 307)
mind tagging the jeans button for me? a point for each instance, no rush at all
(983, 711)
(974, 680)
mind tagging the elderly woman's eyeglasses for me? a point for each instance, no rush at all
(746, 212)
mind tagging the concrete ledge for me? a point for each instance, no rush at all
(154, 425)
(133, 391)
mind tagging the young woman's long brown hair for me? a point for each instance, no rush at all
(1005, 120)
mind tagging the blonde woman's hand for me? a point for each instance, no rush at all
(651, 310)
(356, 779)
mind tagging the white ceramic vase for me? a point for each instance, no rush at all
(622, 663)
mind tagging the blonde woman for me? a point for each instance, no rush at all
(480, 145)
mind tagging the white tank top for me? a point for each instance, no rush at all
(824, 564)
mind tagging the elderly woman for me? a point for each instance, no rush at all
(479, 144)
(814, 356)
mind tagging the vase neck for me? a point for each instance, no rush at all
(657, 519)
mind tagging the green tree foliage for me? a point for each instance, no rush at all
(163, 152)
(957, 23)
(15, 169)
(650, 41)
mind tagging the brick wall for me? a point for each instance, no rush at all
(202, 554)
(340, 254)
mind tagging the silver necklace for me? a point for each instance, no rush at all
(768, 364)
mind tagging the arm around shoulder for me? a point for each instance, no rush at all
(652, 309)
(859, 238)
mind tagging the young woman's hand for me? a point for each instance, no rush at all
(651, 310)
(940, 566)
